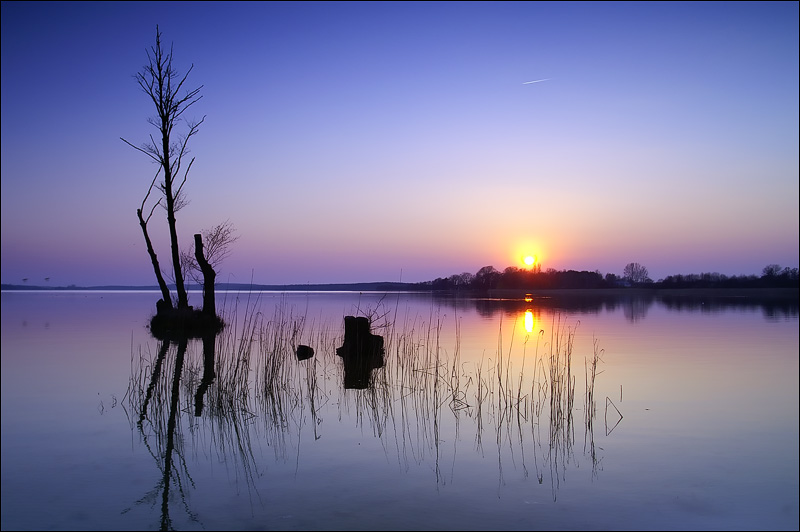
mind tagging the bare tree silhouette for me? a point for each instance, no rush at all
(162, 82)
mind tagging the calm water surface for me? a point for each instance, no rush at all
(482, 414)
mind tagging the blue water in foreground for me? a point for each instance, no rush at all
(482, 414)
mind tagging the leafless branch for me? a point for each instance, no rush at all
(218, 241)
(147, 220)
(190, 266)
(149, 190)
(143, 150)
(183, 150)
(185, 175)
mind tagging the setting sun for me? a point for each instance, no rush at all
(527, 253)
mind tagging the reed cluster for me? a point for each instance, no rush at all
(423, 393)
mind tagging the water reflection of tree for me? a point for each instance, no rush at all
(157, 413)
(163, 389)
(635, 309)
(250, 390)
(635, 305)
(773, 308)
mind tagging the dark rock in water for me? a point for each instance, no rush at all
(304, 352)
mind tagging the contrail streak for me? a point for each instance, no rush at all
(536, 81)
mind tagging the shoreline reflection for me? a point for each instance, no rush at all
(635, 306)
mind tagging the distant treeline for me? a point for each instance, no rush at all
(512, 278)
(489, 278)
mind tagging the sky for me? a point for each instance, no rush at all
(400, 141)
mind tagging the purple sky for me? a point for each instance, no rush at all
(386, 141)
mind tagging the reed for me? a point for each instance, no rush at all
(263, 394)
(591, 377)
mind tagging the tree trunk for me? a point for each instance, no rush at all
(209, 358)
(209, 277)
(172, 422)
(154, 259)
(183, 299)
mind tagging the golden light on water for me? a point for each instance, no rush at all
(529, 321)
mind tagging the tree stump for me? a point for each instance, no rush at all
(361, 352)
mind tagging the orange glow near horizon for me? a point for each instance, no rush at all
(527, 254)
(529, 260)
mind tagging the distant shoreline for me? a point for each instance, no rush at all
(222, 287)
(778, 293)
(516, 293)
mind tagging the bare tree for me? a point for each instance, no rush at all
(635, 273)
(162, 82)
(771, 270)
(486, 277)
(217, 247)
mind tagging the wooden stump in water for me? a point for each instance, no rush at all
(361, 352)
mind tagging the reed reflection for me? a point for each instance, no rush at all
(272, 381)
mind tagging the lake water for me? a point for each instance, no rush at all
(477, 414)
